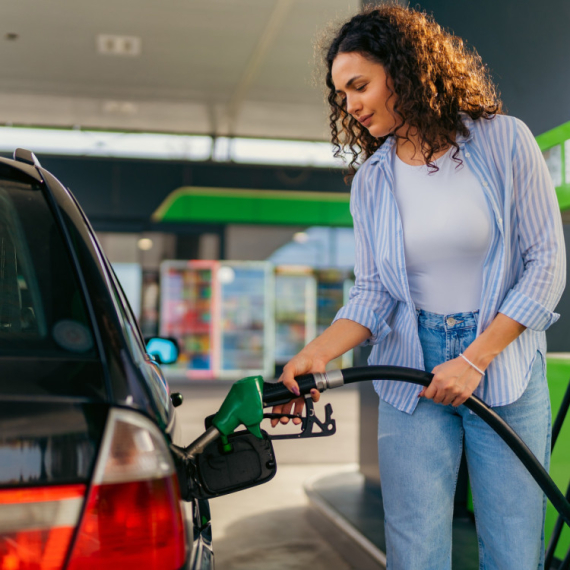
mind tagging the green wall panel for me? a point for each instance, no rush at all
(554, 136)
(558, 371)
(548, 140)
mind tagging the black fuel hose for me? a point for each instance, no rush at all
(555, 537)
(275, 394)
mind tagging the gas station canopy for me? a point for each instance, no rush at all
(215, 67)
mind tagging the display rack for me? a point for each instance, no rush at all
(188, 311)
(295, 310)
(247, 338)
(333, 286)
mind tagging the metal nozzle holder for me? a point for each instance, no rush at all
(328, 380)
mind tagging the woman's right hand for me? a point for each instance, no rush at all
(302, 363)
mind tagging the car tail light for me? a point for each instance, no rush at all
(132, 518)
(37, 524)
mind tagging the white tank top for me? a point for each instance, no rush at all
(447, 232)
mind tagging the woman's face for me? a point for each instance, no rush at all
(365, 86)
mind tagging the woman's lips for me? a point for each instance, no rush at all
(366, 120)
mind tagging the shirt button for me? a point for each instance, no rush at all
(485, 183)
(450, 321)
(500, 220)
(467, 154)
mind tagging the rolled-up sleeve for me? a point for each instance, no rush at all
(369, 303)
(532, 300)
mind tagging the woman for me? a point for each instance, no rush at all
(459, 265)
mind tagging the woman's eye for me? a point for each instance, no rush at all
(361, 88)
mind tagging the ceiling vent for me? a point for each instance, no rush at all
(129, 46)
(119, 108)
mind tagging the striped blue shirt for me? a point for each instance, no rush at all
(524, 272)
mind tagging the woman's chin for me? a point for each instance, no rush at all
(378, 133)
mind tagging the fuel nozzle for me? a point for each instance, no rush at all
(243, 405)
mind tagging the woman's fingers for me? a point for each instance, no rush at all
(457, 400)
(298, 365)
(431, 390)
(453, 383)
(292, 386)
(288, 379)
(287, 409)
(299, 405)
(275, 410)
(443, 393)
(448, 398)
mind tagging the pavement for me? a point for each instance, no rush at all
(267, 527)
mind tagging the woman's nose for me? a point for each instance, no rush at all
(352, 104)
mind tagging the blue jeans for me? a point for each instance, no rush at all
(419, 457)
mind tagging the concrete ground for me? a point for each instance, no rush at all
(266, 528)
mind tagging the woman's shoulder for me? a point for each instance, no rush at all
(504, 131)
(499, 132)
(497, 124)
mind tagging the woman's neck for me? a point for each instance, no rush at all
(408, 149)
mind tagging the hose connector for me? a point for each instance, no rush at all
(328, 380)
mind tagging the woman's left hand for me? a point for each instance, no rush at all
(453, 382)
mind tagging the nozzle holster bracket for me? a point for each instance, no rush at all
(308, 421)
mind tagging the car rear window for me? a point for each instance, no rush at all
(42, 309)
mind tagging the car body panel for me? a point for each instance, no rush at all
(49, 442)
(53, 409)
(41, 378)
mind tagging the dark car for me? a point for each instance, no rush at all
(87, 423)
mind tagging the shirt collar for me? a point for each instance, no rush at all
(383, 152)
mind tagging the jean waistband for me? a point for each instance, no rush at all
(446, 322)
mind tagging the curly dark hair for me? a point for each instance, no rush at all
(435, 78)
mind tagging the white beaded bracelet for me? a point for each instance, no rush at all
(471, 364)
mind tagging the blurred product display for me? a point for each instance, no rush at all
(295, 310)
(186, 309)
(333, 287)
(240, 318)
(247, 324)
(221, 313)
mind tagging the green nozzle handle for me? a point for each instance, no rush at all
(246, 399)
(243, 405)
